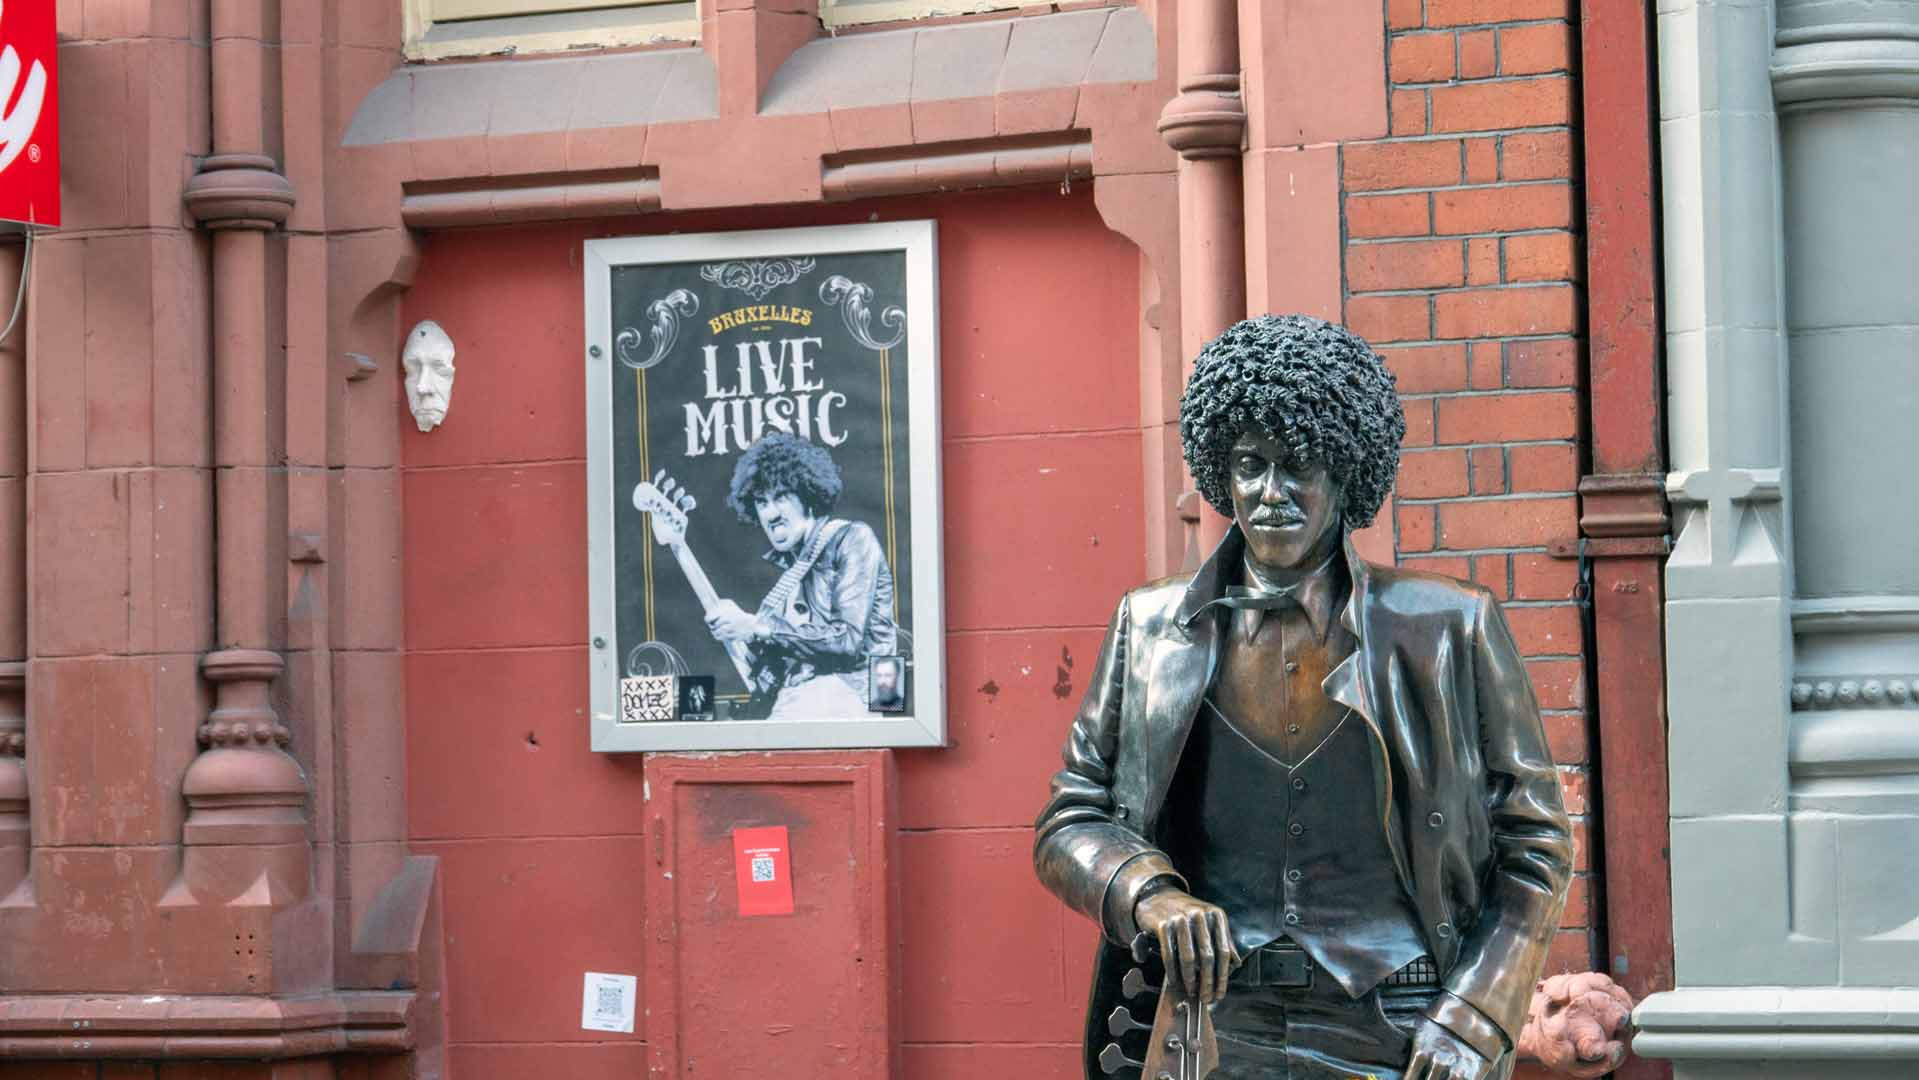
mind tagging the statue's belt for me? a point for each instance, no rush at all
(1285, 964)
(1280, 964)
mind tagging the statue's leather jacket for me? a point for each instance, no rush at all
(1466, 791)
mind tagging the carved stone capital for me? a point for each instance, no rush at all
(243, 715)
(1207, 118)
(239, 191)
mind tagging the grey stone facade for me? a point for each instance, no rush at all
(1789, 136)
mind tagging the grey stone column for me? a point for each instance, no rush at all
(1846, 78)
(1790, 139)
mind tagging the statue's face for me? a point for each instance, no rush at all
(1291, 518)
(784, 519)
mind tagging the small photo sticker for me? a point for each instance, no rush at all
(886, 678)
(696, 697)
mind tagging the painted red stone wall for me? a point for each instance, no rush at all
(1463, 263)
(1460, 256)
(542, 841)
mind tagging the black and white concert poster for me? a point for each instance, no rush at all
(761, 462)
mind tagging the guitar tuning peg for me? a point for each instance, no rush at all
(659, 476)
(1113, 1059)
(1122, 1022)
(1135, 984)
(688, 502)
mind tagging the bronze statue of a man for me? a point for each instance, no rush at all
(1319, 786)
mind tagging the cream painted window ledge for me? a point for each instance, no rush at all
(443, 29)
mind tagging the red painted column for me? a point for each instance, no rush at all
(1623, 520)
(1206, 122)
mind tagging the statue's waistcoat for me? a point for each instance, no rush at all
(1275, 846)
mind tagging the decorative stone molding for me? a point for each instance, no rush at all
(1207, 119)
(1856, 692)
(204, 1027)
(1728, 502)
(445, 206)
(1851, 1025)
(946, 167)
(243, 717)
(239, 191)
(1856, 615)
(1846, 61)
(1853, 744)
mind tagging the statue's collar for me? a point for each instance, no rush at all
(1213, 580)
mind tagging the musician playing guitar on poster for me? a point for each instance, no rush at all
(803, 650)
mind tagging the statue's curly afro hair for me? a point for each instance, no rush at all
(780, 462)
(1320, 389)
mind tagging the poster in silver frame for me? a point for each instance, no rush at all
(763, 489)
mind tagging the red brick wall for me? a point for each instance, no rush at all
(1464, 265)
(542, 841)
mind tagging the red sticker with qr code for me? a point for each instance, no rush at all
(764, 867)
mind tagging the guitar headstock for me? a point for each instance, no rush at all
(1182, 1045)
(667, 504)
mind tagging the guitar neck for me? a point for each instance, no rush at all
(696, 576)
(709, 599)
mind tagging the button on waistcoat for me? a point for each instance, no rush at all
(1293, 851)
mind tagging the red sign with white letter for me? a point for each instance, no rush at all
(29, 113)
(764, 866)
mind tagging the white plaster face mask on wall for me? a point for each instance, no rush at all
(429, 373)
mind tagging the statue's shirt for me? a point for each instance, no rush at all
(1273, 813)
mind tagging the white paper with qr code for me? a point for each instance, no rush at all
(648, 699)
(608, 1002)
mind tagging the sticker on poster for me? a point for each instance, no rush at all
(696, 698)
(764, 868)
(648, 699)
(886, 683)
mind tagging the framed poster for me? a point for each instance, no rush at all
(763, 492)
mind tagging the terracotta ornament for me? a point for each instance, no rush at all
(1308, 797)
(1577, 1024)
(428, 359)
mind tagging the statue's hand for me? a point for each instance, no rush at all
(1194, 941)
(1438, 1054)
